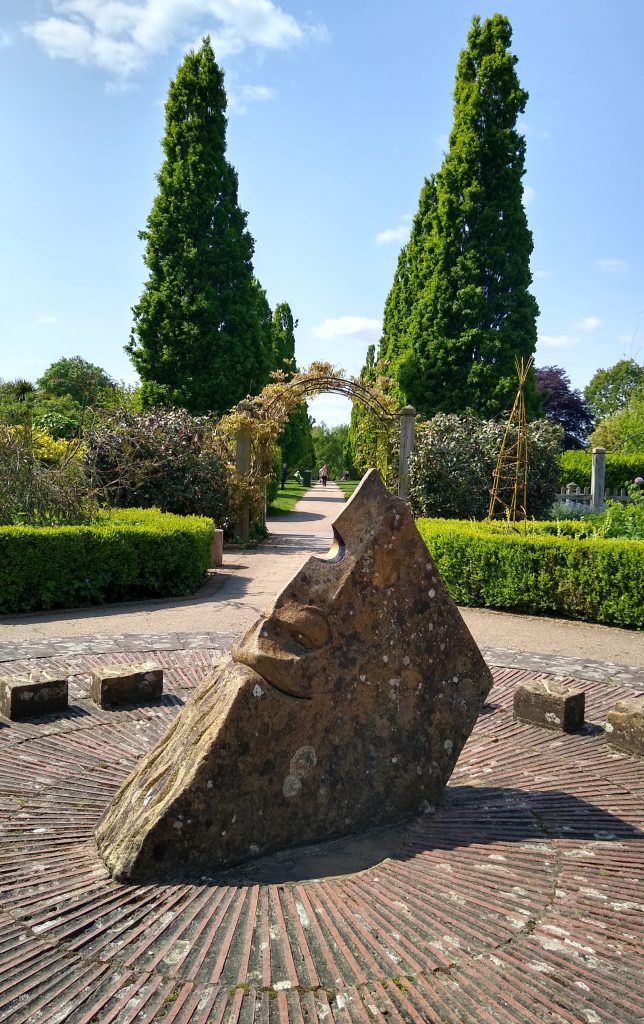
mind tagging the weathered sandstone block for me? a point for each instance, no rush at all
(113, 686)
(550, 704)
(625, 726)
(28, 696)
(344, 708)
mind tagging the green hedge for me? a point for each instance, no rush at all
(127, 554)
(621, 468)
(593, 580)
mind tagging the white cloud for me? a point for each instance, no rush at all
(527, 129)
(528, 194)
(611, 266)
(6, 39)
(442, 140)
(360, 327)
(238, 100)
(122, 36)
(539, 275)
(587, 323)
(397, 234)
(557, 341)
(47, 319)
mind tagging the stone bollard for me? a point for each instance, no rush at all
(131, 685)
(31, 695)
(549, 704)
(625, 726)
(217, 549)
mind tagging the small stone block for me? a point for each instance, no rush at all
(550, 704)
(31, 695)
(131, 685)
(625, 726)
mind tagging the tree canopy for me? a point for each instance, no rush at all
(563, 405)
(74, 376)
(624, 429)
(201, 336)
(611, 390)
(460, 310)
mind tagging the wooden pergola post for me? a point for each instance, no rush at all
(407, 434)
(242, 465)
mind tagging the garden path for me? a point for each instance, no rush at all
(248, 582)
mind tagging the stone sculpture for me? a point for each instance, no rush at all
(345, 707)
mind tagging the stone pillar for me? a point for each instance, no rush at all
(407, 431)
(598, 479)
(217, 549)
(242, 465)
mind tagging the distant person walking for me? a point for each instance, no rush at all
(284, 474)
(324, 472)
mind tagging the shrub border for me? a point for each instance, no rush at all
(128, 554)
(594, 580)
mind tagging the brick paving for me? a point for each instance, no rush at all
(518, 900)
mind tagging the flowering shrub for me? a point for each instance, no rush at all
(164, 458)
(42, 482)
(451, 467)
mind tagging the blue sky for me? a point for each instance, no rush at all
(338, 109)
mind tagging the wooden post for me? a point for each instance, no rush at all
(217, 549)
(407, 431)
(598, 479)
(242, 465)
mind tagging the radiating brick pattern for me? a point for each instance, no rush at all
(519, 900)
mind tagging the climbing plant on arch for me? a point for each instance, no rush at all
(254, 425)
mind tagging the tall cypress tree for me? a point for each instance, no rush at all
(473, 312)
(413, 269)
(283, 356)
(296, 441)
(200, 337)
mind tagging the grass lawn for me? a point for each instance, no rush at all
(347, 486)
(287, 499)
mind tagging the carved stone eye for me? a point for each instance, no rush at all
(309, 626)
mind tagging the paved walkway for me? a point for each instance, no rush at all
(517, 899)
(248, 582)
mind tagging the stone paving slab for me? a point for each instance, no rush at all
(518, 901)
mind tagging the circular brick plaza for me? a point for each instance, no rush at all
(520, 899)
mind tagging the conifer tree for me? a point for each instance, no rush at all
(201, 336)
(467, 312)
(413, 269)
(296, 441)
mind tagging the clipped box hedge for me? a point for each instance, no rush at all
(489, 566)
(621, 468)
(127, 554)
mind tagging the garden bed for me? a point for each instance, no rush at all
(492, 566)
(126, 554)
